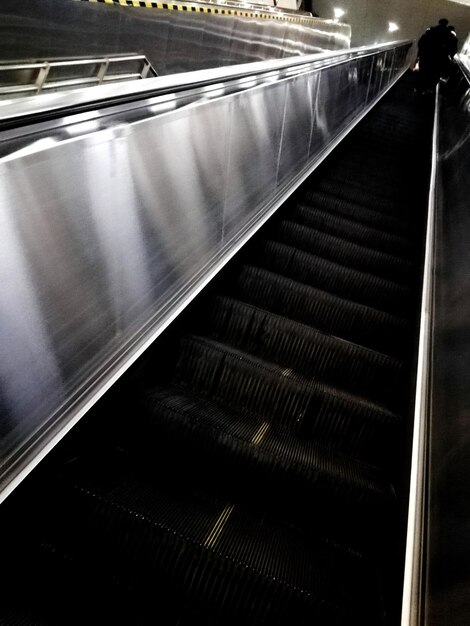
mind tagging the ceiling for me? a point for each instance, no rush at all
(369, 19)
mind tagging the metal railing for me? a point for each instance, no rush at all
(55, 104)
(436, 568)
(33, 78)
(414, 574)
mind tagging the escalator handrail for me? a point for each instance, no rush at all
(463, 62)
(415, 557)
(14, 113)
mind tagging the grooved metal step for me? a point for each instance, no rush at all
(349, 230)
(336, 279)
(340, 251)
(355, 322)
(308, 351)
(356, 212)
(335, 418)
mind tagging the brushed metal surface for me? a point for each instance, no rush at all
(113, 219)
(14, 112)
(297, 127)
(173, 41)
(446, 595)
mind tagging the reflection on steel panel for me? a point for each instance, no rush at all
(173, 41)
(297, 126)
(113, 221)
(256, 127)
(447, 544)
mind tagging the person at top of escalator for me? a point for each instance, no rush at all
(436, 49)
(454, 42)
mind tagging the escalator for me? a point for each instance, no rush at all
(252, 467)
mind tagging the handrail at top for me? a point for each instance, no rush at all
(14, 112)
(464, 64)
(5, 67)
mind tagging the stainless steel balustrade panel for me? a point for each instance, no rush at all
(112, 222)
(297, 125)
(102, 217)
(387, 69)
(445, 592)
(255, 138)
(11, 113)
(379, 76)
(336, 103)
(363, 71)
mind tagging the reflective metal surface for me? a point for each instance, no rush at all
(447, 598)
(13, 113)
(416, 557)
(173, 41)
(113, 221)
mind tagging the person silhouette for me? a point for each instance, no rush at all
(436, 49)
(453, 41)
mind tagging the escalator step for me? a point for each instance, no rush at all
(210, 556)
(386, 138)
(350, 230)
(364, 162)
(357, 323)
(369, 186)
(366, 143)
(264, 467)
(243, 471)
(341, 281)
(359, 196)
(18, 615)
(390, 133)
(309, 352)
(344, 252)
(67, 584)
(356, 213)
(335, 418)
(378, 188)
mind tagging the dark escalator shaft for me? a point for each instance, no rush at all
(249, 470)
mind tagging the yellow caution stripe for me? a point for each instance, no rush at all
(152, 4)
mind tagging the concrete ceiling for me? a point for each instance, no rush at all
(369, 18)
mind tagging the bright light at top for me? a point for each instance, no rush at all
(392, 27)
(338, 13)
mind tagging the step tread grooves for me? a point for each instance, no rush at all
(349, 229)
(355, 322)
(326, 275)
(344, 252)
(307, 350)
(281, 464)
(338, 419)
(356, 212)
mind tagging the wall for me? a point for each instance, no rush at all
(369, 18)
